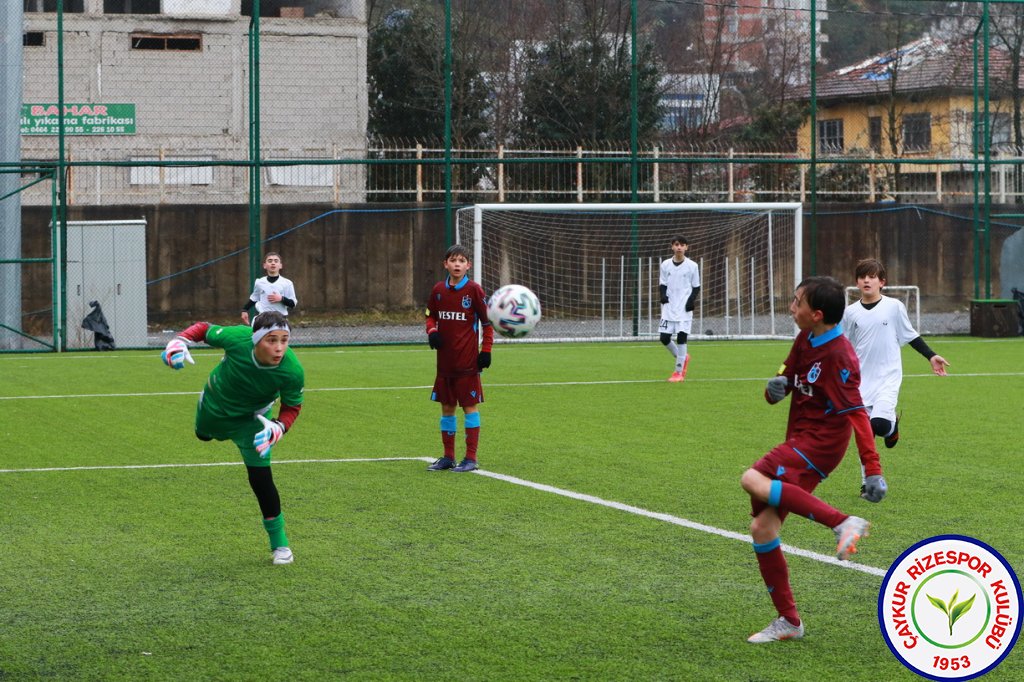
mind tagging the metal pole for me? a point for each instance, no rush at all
(11, 27)
(604, 288)
(448, 227)
(62, 179)
(255, 233)
(814, 137)
(988, 154)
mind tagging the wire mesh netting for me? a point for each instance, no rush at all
(223, 126)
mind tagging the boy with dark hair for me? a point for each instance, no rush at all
(678, 286)
(258, 367)
(878, 326)
(823, 375)
(272, 292)
(456, 313)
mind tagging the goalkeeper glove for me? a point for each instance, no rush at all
(483, 361)
(688, 307)
(664, 299)
(776, 389)
(272, 432)
(874, 489)
(176, 354)
(434, 339)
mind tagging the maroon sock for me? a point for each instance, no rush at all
(775, 573)
(797, 500)
(448, 439)
(472, 440)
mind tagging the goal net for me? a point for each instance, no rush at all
(595, 266)
(910, 294)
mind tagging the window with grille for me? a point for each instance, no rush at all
(917, 132)
(830, 135)
(1000, 130)
(875, 133)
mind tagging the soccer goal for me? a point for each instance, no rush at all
(908, 293)
(595, 266)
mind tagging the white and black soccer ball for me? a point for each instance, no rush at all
(514, 311)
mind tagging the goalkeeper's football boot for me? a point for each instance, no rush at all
(281, 556)
(686, 363)
(676, 377)
(848, 533)
(894, 437)
(441, 464)
(778, 630)
(466, 465)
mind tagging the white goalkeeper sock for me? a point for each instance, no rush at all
(680, 357)
(671, 348)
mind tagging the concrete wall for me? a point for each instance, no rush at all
(373, 257)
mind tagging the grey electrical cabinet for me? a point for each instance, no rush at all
(107, 264)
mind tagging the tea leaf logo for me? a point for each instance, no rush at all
(953, 610)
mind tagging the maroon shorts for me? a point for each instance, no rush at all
(464, 391)
(784, 463)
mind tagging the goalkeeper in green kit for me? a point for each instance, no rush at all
(258, 367)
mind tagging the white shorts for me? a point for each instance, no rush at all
(884, 406)
(670, 327)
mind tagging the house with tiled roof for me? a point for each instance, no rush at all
(915, 102)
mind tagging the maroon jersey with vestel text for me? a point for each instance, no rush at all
(458, 313)
(825, 375)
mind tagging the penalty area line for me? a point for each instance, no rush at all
(678, 521)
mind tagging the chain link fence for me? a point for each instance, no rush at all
(161, 147)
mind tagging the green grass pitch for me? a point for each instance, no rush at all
(117, 568)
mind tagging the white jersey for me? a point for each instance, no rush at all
(263, 287)
(877, 336)
(680, 279)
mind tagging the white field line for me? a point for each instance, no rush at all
(426, 387)
(685, 523)
(542, 487)
(640, 345)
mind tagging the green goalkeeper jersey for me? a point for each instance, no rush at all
(239, 386)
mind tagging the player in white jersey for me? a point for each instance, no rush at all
(679, 285)
(878, 326)
(273, 292)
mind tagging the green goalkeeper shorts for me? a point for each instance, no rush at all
(239, 430)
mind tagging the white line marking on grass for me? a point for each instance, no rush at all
(542, 487)
(668, 518)
(425, 387)
(214, 464)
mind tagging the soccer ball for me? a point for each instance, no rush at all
(514, 311)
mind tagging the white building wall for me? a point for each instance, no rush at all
(194, 104)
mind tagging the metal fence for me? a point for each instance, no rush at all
(674, 173)
(229, 110)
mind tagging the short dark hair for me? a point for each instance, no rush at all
(268, 319)
(268, 254)
(458, 250)
(870, 267)
(827, 295)
(681, 239)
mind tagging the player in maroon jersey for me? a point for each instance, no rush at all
(823, 374)
(456, 312)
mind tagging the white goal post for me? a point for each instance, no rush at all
(908, 293)
(595, 267)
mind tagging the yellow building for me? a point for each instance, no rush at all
(915, 104)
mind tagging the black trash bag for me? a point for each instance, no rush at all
(97, 323)
(1018, 296)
